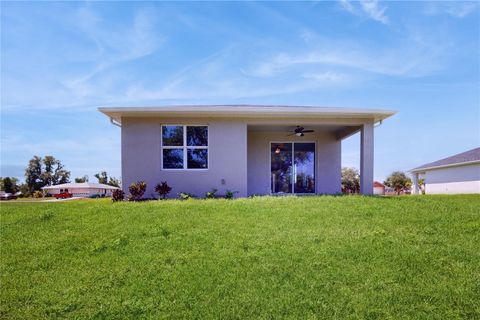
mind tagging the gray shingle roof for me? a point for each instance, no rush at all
(468, 156)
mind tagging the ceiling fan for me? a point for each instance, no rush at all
(300, 131)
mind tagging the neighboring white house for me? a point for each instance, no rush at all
(85, 189)
(253, 150)
(456, 174)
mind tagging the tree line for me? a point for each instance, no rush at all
(41, 172)
(397, 180)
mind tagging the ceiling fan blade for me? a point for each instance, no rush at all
(304, 131)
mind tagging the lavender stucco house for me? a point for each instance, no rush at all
(245, 148)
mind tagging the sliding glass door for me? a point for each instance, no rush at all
(292, 167)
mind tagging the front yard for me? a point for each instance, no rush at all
(272, 257)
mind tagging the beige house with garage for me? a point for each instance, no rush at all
(249, 149)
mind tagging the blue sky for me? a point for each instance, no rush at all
(62, 60)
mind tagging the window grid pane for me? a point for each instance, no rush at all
(197, 136)
(172, 136)
(173, 158)
(197, 158)
(184, 147)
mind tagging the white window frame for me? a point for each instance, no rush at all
(185, 147)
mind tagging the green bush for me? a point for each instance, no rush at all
(211, 194)
(229, 194)
(185, 196)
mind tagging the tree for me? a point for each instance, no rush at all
(33, 174)
(102, 177)
(54, 172)
(24, 190)
(114, 182)
(399, 181)
(42, 172)
(81, 179)
(9, 184)
(350, 180)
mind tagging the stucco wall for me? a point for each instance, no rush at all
(141, 151)
(328, 160)
(461, 179)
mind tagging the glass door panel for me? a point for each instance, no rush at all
(281, 167)
(304, 167)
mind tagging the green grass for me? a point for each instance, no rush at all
(261, 258)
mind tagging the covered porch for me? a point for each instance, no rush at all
(282, 160)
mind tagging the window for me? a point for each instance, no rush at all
(184, 147)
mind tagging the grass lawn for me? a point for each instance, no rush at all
(414, 257)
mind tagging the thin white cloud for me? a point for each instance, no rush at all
(457, 9)
(347, 5)
(215, 78)
(374, 11)
(370, 8)
(114, 45)
(325, 76)
(413, 56)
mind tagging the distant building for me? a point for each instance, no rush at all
(378, 188)
(456, 174)
(82, 190)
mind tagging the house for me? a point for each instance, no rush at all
(250, 149)
(456, 174)
(82, 190)
(378, 188)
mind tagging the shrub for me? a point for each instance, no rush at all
(163, 189)
(229, 194)
(118, 195)
(211, 194)
(185, 196)
(37, 194)
(137, 190)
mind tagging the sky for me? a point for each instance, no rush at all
(60, 61)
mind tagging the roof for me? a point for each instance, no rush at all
(253, 111)
(377, 184)
(467, 157)
(84, 185)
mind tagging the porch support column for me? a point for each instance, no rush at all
(415, 186)
(366, 159)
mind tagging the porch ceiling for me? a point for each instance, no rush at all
(288, 128)
(341, 131)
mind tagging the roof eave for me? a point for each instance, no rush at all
(422, 169)
(116, 114)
